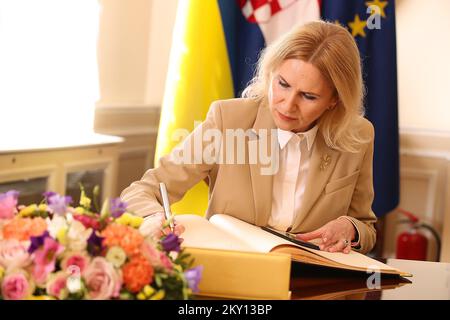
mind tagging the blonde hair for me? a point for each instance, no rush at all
(332, 50)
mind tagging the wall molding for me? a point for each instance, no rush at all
(424, 153)
(50, 172)
(424, 132)
(107, 164)
(131, 131)
(431, 177)
(134, 151)
(127, 120)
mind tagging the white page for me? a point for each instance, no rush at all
(253, 236)
(202, 234)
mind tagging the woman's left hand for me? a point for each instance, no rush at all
(336, 236)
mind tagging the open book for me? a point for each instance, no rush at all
(225, 232)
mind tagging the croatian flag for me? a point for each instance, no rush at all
(250, 25)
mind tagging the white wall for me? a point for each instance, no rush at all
(162, 21)
(423, 50)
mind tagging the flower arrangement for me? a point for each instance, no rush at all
(52, 250)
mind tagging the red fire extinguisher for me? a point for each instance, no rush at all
(412, 244)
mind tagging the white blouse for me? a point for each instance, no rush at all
(290, 180)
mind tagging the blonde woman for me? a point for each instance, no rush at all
(304, 111)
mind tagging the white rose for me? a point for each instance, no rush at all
(77, 236)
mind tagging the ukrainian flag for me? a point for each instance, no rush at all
(199, 73)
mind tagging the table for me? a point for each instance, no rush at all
(431, 280)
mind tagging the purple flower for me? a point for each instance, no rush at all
(117, 207)
(8, 203)
(11, 193)
(48, 194)
(95, 244)
(37, 242)
(58, 203)
(171, 243)
(193, 277)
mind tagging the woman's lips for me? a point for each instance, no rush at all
(285, 118)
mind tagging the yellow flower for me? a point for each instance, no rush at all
(79, 210)
(117, 256)
(61, 236)
(124, 219)
(85, 201)
(158, 295)
(141, 296)
(2, 273)
(42, 207)
(136, 221)
(28, 211)
(148, 290)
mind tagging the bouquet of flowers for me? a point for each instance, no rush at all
(54, 251)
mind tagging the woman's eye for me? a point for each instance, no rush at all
(283, 84)
(309, 97)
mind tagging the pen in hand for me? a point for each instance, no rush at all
(166, 205)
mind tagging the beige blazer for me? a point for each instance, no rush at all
(338, 183)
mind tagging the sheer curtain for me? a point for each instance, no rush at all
(48, 71)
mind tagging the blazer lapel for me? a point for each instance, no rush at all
(323, 160)
(262, 183)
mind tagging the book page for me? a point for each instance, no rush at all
(254, 237)
(200, 233)
(354, 259)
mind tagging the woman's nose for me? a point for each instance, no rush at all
(290, 104)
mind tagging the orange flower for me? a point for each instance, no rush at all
(137, 273)
(24, 228)
(129, 239)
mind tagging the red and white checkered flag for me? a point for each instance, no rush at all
(260, 11)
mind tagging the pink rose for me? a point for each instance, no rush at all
(165, 262)
(156, 257)
(102, 280)
(57, 285)
(151, 253)
(13, 254)
(78, 259)
(16, 286)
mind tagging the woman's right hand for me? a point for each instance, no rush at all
(153, 226)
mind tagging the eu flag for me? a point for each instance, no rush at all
(372, 23)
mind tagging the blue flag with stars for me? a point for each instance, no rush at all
(372, 23)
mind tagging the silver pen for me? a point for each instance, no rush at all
(166, 204)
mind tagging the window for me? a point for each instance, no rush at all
(49, 73)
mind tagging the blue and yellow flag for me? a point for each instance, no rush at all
(198, 74)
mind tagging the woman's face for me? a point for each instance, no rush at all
(299, 95)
